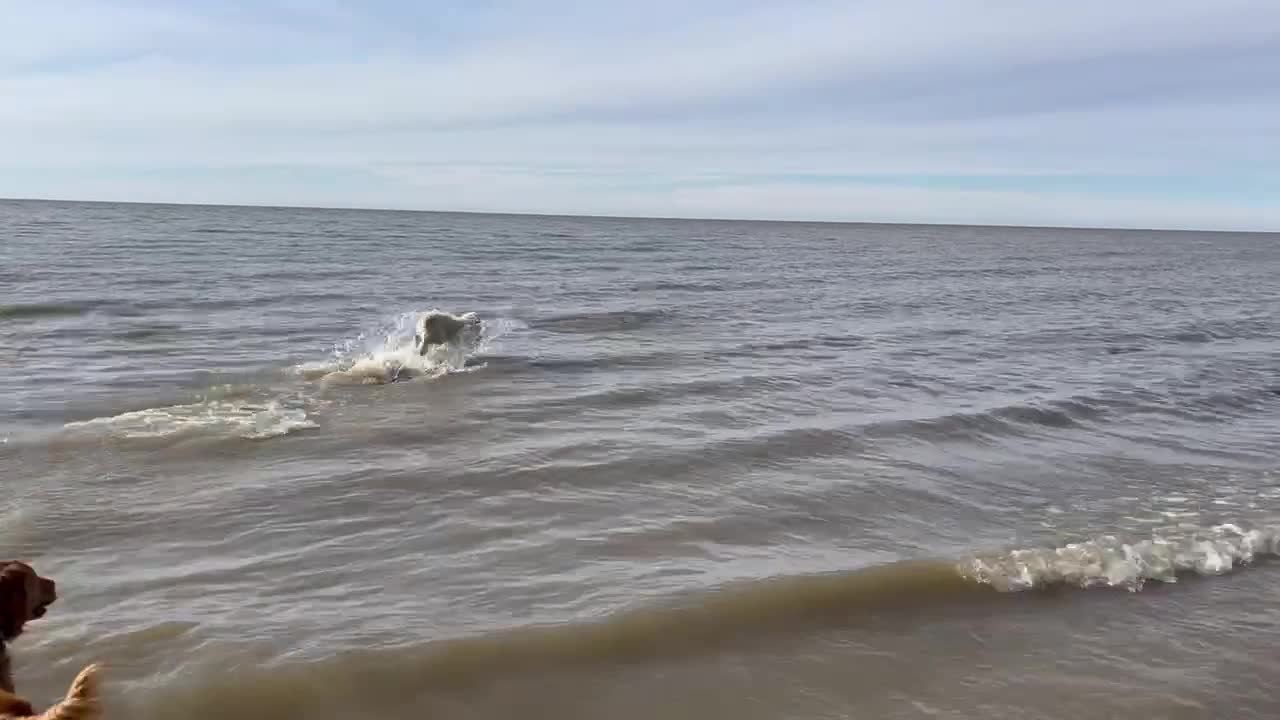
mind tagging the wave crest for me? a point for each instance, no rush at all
(236, 418)
(1108, 561)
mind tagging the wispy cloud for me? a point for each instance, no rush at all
(911, 110)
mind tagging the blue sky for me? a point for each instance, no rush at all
(1142, 113)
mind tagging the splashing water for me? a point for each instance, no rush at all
(388, 353)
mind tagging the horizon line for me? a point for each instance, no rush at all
(590, 216)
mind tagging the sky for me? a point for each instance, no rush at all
(1141, 113)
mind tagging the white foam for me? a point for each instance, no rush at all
(235, 418)
(1108, 561)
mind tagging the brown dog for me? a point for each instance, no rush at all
(25, 596)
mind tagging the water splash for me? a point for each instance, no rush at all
(387, 353)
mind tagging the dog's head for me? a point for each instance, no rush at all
(24, 596)
(430, 331)
(440, 328)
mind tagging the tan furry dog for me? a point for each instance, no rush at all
(81, 702)
(25, 596)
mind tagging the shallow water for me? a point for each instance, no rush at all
(688, 469)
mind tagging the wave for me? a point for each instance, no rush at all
(295, 275)
(600, 322)
(150, 331)
(818, 341)
(1076, 411)
(591, 363)
(23, 311)
(703, 624)
(233, 418)
(1109, 561)
(730, 616)
(1174, 335)
(678, 286)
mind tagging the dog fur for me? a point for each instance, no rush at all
(25, 596)
(80, 703)
(441, 328)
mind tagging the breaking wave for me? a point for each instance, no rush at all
(235, 418)
(731, 615)
(1110, 561)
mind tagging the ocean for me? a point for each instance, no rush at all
(685, 469)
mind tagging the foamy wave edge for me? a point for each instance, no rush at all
(1108, 561)
(251, 421)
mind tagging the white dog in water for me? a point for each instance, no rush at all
(437, 328)
(442, 340)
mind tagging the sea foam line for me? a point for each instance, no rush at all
(1109, 561)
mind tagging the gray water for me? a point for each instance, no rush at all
(688, 470)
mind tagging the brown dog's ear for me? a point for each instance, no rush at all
(15, 606)
(14, 706)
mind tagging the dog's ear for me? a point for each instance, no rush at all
(13, 599)
(20, 590)
(14, 706)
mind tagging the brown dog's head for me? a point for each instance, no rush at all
(24, 596)
(14, 706)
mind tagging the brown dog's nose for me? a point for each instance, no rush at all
(48, 594)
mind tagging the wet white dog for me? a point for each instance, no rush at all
(437, 328)
(442, 342)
